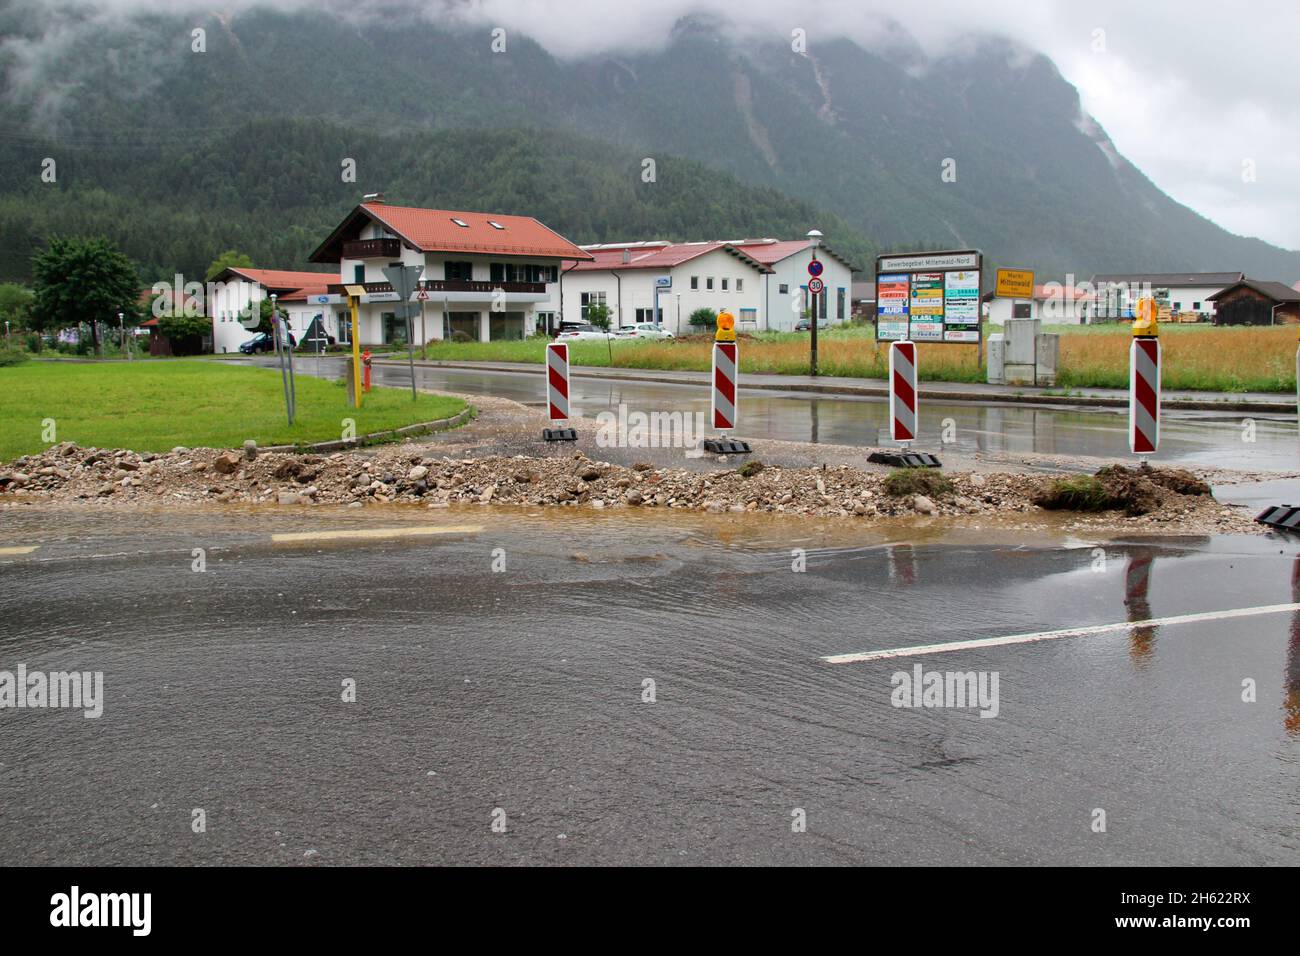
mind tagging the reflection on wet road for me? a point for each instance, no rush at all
(1202, 438)
(494, 668)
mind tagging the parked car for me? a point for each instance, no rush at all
(575, 332)
(644, 330)
(263, 342)
(805, 325)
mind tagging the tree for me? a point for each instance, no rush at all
(83, 280)
(703, 318)
(598, 315)
(230, 259)
(185, 332)
(15, 307)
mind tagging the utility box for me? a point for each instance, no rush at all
(1047, 357)
(1021, 334)
(1020, 364)
(996, 358)
(1018, 373)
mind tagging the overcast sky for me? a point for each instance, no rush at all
(1188, 90)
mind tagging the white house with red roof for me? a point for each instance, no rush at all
(1053, 302)
(486, 276)
(234, 297)
(763, 282)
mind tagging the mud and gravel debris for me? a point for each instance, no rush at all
(1169, 500)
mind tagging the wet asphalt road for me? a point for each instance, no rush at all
(523, 690)
(1203, 438)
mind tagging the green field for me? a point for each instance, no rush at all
(155, 406)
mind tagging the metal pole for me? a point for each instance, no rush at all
(355, 334)
(410, 344)
(424, 335)
(812, 297)
(279, 355)
(293, 385)
(816, 237)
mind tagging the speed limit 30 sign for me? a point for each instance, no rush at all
(815, 285)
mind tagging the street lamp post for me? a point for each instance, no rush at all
(816, 236)
(121, 335)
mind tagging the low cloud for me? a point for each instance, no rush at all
(1185, 90)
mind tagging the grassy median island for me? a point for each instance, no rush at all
(155, 406)
(1199, 357)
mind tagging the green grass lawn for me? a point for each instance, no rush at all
(155, 406)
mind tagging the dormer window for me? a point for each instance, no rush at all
(460, 222)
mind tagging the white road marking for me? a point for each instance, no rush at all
(922, 649)
(373, 533)
(19, 549)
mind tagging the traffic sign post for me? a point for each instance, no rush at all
(355, 292)
(405, 280)
(815, 286)
(422, 297)
(557, 392)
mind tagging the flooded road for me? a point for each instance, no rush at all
(1190, 437)
(650, 690)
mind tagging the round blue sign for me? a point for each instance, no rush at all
(815, 267)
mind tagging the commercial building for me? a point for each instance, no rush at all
(763, 282)
(486, 276)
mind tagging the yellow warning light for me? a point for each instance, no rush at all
(726, 327)
(1144, 321)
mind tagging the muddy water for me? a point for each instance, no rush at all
(522, 688)
(1200, 438)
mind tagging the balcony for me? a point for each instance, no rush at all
(372, 249)
(487, 288)
(437, 287)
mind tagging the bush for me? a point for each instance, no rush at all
(703, 318)
(917, 481)
(12, 357)
(461, 336)
(33, 340)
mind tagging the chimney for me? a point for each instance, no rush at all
(373, 197)
(627, 256)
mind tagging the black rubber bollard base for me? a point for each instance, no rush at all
(904, 459)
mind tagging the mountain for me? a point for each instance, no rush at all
(747, 137)
(274, 189)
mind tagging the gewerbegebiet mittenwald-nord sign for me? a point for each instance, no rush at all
(929, 297)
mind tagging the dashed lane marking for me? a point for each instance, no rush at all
(375, 533)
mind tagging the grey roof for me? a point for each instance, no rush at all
(1172, 279)
(1277, 291)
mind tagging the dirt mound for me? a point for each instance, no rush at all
(1136, 491)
